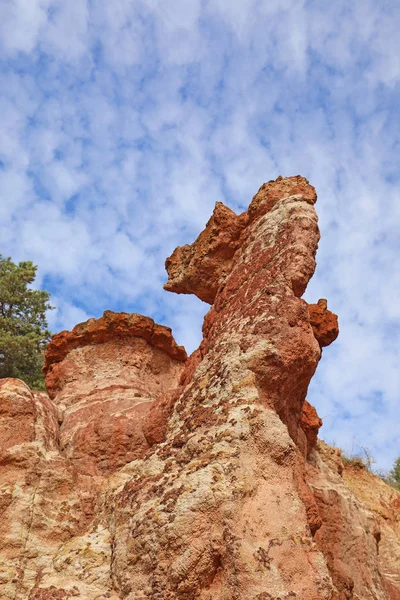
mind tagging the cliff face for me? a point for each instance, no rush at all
(150, 475)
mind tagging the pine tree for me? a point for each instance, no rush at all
(23, 324)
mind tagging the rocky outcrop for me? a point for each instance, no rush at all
(360, 526)
(201, 267)
(150, 475)
(111, 327)
(104, 376)
(227, 517)
(383, 503)
(324, 323)
(44, 500)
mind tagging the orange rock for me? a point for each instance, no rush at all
(18, 413)
(313, 516)
(26, 416)
(310, 424)
(146, 475)
(360, 545)
(277, 190)
(112, 326)
(323, 322)
(231, 486)
(201, 267)
(43, 500)
(156, 419)
(104, 377)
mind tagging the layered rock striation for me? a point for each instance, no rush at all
(149, 475)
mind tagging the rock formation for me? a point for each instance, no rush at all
(149, 475)
(105, 375)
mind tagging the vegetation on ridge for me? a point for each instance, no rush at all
(23, 324)
(394, 474)
(367, 461)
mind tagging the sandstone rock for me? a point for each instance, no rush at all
(274, 191)
(200, 268)
(216, 508)
(43, 499)
(350, 535)
(111, 326)
(147, 475)
(17, 407)
(384, 502)
(323, 322)
(310, 423)
(54, 456)
(105, 376)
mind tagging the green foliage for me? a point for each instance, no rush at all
(23, 324)
(394, 474)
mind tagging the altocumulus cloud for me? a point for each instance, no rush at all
(124, 122)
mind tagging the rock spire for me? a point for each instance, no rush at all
(145, 474)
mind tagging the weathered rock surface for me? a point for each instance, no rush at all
(147, 475)
(44, 501)
(384, 504)
(360, 527)
(104, 377)
(200, 268)
(324, 323)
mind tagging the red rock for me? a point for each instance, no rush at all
(112, 326)
(43, 500)
(26, 416)
(156, 419)
(323, 322)
(277, 190)
(310, 424)
(313, 515)
(353, 536)
(17, 413)
(105, 376)
(224, 439)
(201, 267)
(146, 475)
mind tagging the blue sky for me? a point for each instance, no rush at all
(122, 123)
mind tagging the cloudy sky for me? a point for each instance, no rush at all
(122, 123)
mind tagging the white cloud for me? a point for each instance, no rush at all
(21, 22)
(65, 315)
(124, 122)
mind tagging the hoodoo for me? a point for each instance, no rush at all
(147, 475)
(104, 377)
